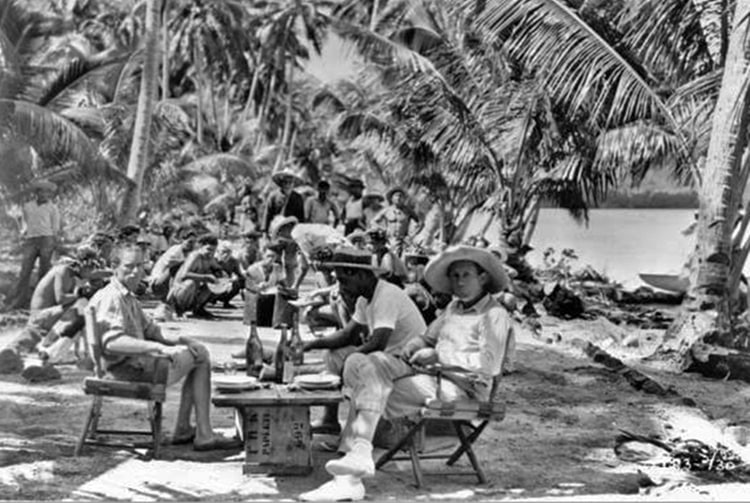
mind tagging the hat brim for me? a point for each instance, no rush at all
(390, 193)
(43, 185)
(436, 272)
(348, 265)
(285, 175)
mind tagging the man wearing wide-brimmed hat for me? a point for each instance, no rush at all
(40, 230)
(384, 319)
(472, 334)
(284, 200)
(396, 219)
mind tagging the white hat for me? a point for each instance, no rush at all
(278, 222)
(352, 258)
(43, 185)
(436, 272)
(285, 173)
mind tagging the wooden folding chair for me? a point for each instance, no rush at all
(101, 387)
(469, 419)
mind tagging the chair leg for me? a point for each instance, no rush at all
(416, 467)
(97, 407)
(393, 450)
(156, 416)
(476, 431)
(86, 428)
(466, 446)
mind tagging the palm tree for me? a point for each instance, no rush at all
(282, 20)
(41, 99)
(140, 149)
(659, 64)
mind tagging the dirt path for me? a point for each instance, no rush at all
(557, 439)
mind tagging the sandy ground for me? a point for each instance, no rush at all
(563, 413)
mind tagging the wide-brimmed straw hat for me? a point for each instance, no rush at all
(352, 258)
(391, 192)
(285, 174)
(278, 222)
(356, 234)
(43, 185)
(436, 272)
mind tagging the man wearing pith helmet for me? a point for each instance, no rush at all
(472, 333)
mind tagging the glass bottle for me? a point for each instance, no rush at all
(253, 351)
(283, 366)
(296, 345)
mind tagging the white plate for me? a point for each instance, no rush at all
(317, 380)
(227, 381)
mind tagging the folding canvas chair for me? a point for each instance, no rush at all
(101, 387)
(469, 419)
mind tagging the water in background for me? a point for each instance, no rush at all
(618, 242)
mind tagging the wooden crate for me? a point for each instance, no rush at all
(278, 440)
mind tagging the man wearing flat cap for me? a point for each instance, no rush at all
(471, 335)
(40, 230)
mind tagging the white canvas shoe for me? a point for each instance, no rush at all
(357, 462)
(341, 488)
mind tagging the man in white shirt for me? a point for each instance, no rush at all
(384, 320)
(40, 230)
(474, 333)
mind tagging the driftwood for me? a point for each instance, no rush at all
(720, 363)
(635, 378)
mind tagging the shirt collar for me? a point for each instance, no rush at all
(478, 307)
(121, 288)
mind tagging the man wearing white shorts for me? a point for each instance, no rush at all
(131, 340)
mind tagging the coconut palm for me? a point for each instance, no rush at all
(44, 105)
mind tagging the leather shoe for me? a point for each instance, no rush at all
(218, 443)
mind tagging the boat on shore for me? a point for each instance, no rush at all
(669, 282)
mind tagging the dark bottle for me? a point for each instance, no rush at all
(253, 351)
(296, 345)
(281, 358)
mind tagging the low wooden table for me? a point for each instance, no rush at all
(276, 426)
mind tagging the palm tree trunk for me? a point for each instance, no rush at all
(140, 148)
(165, 52)
(706, 308)
(267, 99)
(374, 15)
(199, 90)
(288, 117)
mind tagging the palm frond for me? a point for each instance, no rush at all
(222, 164)
(50, 133)
(70, 76)
(383, 51)
(577, 64)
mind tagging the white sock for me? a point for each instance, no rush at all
(361, 446)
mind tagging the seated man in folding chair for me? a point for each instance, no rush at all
(473, 333)
(125, 328)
